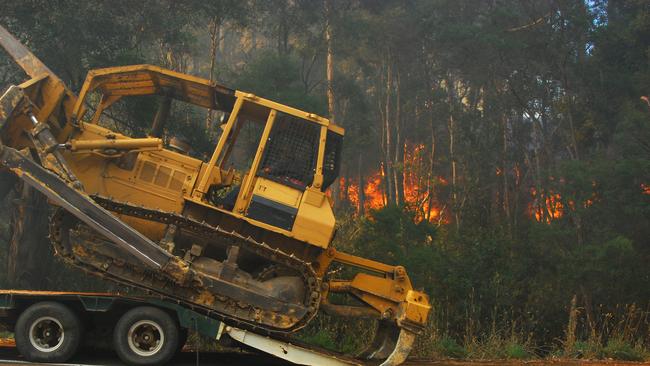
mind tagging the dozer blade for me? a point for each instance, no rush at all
(391, 344)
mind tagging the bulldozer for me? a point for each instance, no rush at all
(243, 235)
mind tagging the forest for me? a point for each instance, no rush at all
(498, 149)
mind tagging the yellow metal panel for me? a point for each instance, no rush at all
(277, 192)
(239, 216)
(178, 180)
(364, 263)
(148, 79)
(51, 101)
(283, 108)
(377, 286)
(134, 91)
(417, 307)
(314, 197)
(147, 171)
(313, 224)
(102, 176)
(111, 87)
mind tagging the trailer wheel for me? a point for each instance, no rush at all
(48, 332)
(146, 336)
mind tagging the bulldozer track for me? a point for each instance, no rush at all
(311, 281)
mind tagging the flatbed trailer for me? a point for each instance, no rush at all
(50, 326)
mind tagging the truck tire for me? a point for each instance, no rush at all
(146, 335)
(48, 332)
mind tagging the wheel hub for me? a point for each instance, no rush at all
(46, 334)
(146, 338)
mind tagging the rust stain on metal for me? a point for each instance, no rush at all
(7, 342)
(179, 270)
(205, 298)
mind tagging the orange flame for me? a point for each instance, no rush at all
(551, 206)
(645, 188)
(546, 207)
(373, 192)
(418, 191)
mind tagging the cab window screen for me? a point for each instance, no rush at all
(291, 152)
(332, 159)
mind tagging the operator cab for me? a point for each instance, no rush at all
(277, 155)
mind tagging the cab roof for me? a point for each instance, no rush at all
(116, 82)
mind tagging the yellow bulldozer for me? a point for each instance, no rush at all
(243, 235)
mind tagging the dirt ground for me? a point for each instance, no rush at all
(10, 356)
(524, 363)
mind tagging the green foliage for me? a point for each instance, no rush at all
(618, 349)
(326, 339)
(321, 338)
(392, 232)
(585, 350)
(277, 77)
(516, 351)
(495, 346)
(448, 347)
(338, 334)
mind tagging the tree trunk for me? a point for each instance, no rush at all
(331, 105)
(362, 186)
(388, 163)
(504, 173)
(398, 174)
(331, 97)
(452, 153)
(430, 175)
(344, 187)
(30, 253)
(283, 31)
(215, 33)
(161, 117)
